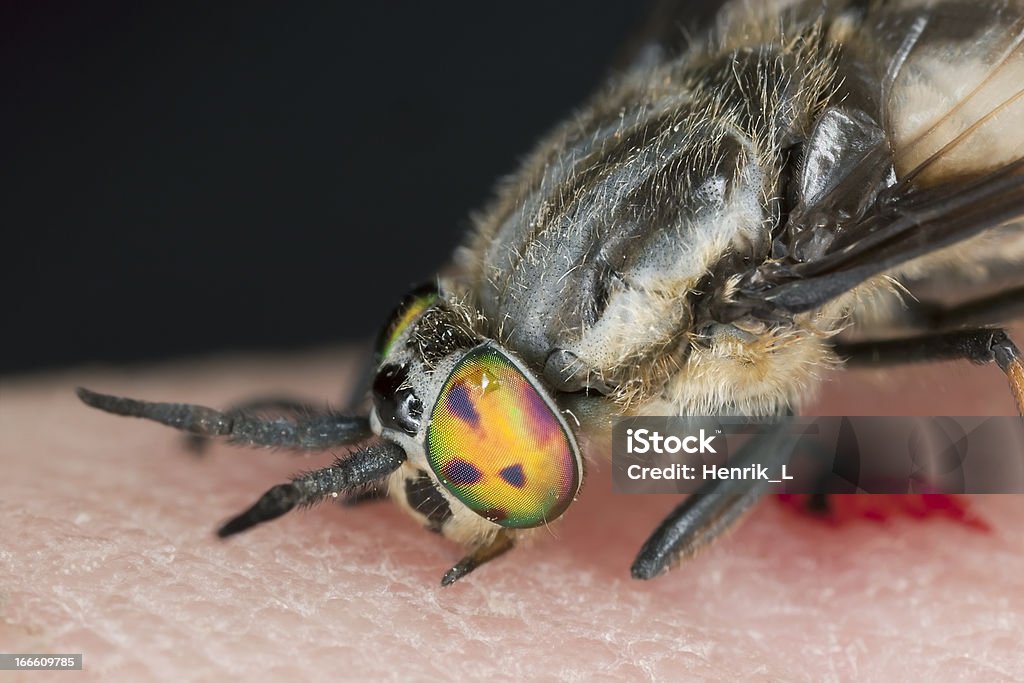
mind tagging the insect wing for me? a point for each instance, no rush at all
(952, 103)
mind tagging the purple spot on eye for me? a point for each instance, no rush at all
(541, 421)
(460, 406)
(461, 473)
(514, 475)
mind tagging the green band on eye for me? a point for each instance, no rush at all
(499, 445)
(408, 311)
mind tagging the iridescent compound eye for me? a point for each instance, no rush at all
(412, 306)
(499, 444)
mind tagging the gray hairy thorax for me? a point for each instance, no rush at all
(588, 263)
(626, 232)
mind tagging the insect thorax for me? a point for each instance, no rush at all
(597, 259)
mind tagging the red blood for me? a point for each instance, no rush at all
(882, 508)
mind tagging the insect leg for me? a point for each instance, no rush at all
(316, 431)
(276, 405)
(979, 346)
(485, 552)
(715, 507)
(365, 466)
(995, 309)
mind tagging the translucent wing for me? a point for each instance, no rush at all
(950, 121)
(954, 90)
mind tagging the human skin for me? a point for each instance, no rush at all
(107, 548)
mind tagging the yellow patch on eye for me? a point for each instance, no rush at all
(499, 445)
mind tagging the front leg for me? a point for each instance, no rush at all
(979, 346)
(368, 466)
(485, 552)
(316, 431)
(269, 406)
(715, 507)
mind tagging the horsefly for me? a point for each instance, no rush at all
(730, 217)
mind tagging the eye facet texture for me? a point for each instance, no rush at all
(499, 445)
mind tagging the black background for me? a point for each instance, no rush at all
(182, 179)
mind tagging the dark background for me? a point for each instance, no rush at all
(182, 179)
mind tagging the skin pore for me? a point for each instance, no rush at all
(107, 548)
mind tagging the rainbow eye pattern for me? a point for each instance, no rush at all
(499, 445)
(405, 314)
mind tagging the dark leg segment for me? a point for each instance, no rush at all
(979, 346)
(987, 311)
(501, 544)
(995, 309)
(707, 514)
(269, 406)
(316, 431)
(365, 466)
